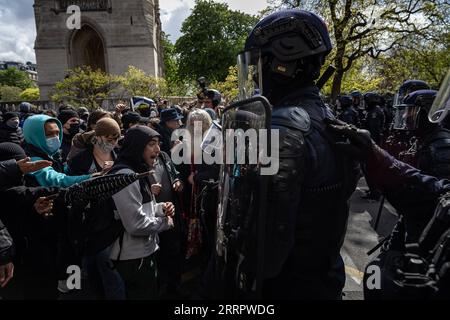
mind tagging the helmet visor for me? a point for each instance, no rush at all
(405, 117)
(249, 74)
(441, 104)
(398, 99)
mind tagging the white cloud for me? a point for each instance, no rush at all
(173, 12)
(18, 29)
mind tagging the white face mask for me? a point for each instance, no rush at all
(106, 147)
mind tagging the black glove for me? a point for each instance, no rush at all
(357, 143)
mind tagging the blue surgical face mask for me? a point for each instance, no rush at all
(53, 144)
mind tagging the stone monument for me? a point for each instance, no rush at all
(112, 35)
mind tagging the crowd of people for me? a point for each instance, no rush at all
(163, 221)
(138, 243)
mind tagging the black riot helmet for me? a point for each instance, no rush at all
(356, 98)
(372, 99)
(407, 87)
(214, 96)
(345, 101)
(285, 50)
(412, 114)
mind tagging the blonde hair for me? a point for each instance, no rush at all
(197, 115)
(201, 116)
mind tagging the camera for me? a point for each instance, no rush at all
(203, 88)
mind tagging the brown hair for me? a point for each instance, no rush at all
(95, 116)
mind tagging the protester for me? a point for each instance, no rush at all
(167, 187)
(10, 130)
(99, 154)
(142, 218)
(170, 121)
(71, 126)
(43, 136)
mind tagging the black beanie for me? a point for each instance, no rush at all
(129, 118)
(9, 115)
(9, 150)
(67, 114)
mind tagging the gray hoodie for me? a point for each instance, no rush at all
(142, 223)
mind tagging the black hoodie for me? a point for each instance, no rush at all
(136, 139)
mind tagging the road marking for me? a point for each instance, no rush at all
(355, 274)
(350, 267)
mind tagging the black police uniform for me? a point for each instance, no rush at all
(350, 116)
(375, 122)
(310, 197)
(307, 200)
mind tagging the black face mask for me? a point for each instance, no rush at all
(74, 129)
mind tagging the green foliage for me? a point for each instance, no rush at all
(9, 93)
(137, 83)
(384, 31)
(228, 88)
(427, 61)
(175, 85)
(30, 94)
(15, 78)
(360, 77)
(85, 87)
(212, 37)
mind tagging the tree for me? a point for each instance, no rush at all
(15, 78)
(228, 88)
(428, 61)
(212, 37)
(85, 87)
(137, 83)
(370, 28)
(9, 93)
(175, 85)
(30, 94)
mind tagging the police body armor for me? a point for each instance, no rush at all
(415, 271)
(350, 116)
(307, 206)
(434, 154)
(319, 197)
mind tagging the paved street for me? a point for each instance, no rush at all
(361, 237)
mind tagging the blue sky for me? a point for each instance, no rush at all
(18, 30)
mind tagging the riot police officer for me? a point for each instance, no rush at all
(432, 147)
(375, 116)
(358, 105)
(348, 114)
(410, 271)
(308, 197)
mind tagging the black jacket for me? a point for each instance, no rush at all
(10, 174)
(65, 146)
(165, 138)
(5, 245)
(8, 134)
(434, 154)
(82, 162)
(174, 175)
(307, 203)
